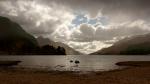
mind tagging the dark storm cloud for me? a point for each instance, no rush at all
(134, 8)
(34, 16)
(114, 9)
(46, 17)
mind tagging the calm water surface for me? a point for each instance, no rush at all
(62, 63)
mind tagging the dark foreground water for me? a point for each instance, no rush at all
(62, 63)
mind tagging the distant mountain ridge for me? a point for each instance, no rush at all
(45, 41)
(15, 41)
(136, 45)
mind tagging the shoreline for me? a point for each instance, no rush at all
(119, 76)
(130, 75)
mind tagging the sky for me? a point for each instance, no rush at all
(84, 25)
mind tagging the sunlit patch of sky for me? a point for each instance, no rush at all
(80, 19)
(92, 21)
(64, 23)
(104, 20)
(83, 19)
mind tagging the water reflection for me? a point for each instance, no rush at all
(74, 62)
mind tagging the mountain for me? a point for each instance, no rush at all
(136, 45)
(45, 41)
(15, 41)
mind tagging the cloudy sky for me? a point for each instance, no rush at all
(85, 25)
